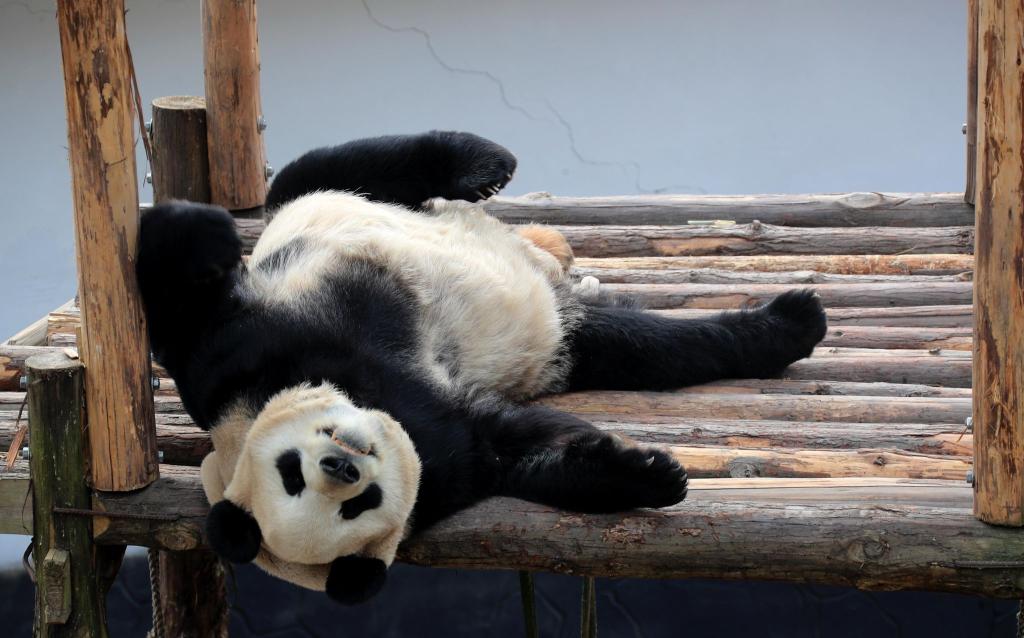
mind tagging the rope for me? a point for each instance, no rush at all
(1020, 620)
(153, 556)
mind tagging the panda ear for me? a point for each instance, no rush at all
(232, 532)
(355, 579)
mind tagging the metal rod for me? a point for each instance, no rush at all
(526, 591)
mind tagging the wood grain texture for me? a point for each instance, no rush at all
(929, 264)
(955, 316)
(971, 128)
(723, 276)
(57, 424)
(999, 294)
(113, 345)
(232, 72)
(193, 591)
(842, 209)
(181, 169)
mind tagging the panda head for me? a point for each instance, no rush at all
(315, 478)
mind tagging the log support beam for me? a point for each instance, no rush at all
(999, 267)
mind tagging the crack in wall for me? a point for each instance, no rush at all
(627, 166)
(27, 7)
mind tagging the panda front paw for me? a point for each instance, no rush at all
(355, 579)
(630, 477)
(798, 318)
(189, 242)
(481, 168)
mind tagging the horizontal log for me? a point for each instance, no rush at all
(722, 276)
(898, 337)
(942, 371)
(929, 264)
(832, 388)
(654, 407)
(12, 364)
(868, 533)
(729, 296)
(763, 239)
(740, 239)
(833, 209)
(944, 316)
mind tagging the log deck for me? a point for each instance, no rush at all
(851, 469)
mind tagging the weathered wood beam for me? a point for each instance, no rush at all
(732, 296)
(999, 294)
(941, 371)
(930, 264)
(720, 276)
(181, 169)
(830, 388)
(971, 125)
(231, 61)
(844, 209)
(741, 239)
(106, 204)
(868, 533)
(69, 601)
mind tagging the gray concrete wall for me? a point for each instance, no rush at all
(594, 96)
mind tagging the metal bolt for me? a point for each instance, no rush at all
(156, 382)
(26, 453)
(261, 124)
(970, 477)
(149, 127)
(149, 178)
(23, 382)
(268, 170)
(969, 423)
(160, 456)
(963, 128)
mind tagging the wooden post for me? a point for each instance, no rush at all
(69, 601)
(999, 267)
(971, 130)
(113, 346)
(192, 596)
(181, 169)
(231, 58)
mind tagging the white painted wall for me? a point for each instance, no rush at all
(594, 96)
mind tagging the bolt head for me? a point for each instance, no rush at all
(26, 453)
(160, 456)
(963, 128)
(970, 477)
(269, 171)
(969, 423)
(261, 124)
(149, 127)
(23, 382)
(149, 178)
(156, 382)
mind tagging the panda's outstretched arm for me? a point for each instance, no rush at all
(400, 169)
(554, 458)
(617, 348)
(187, 266)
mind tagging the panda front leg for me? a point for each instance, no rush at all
(554, 458)
(187, 265)
(617, 348)
(400, 169)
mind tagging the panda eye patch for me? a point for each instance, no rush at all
(371, 498)
(289, 466)
(328, 431)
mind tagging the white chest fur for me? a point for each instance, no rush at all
(488, 301)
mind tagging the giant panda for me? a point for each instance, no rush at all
(366, 374)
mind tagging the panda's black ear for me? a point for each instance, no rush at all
(355, 579)
(232, 532)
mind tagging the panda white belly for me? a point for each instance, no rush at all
(490, 317)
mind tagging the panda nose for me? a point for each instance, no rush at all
(340, 468)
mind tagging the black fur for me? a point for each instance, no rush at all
(371, 498)
(289, 466)
(355, 579)
(400, 169)
(233, 533)
(222, 348)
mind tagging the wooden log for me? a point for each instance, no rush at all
(763, 239)
(831, 388)
(181, 169)
(842, 209)
(930, 264)
(68, 599)
(718, 276)
(731, 296)
(608, 406)
(105, 196)
(741, 239)
(870, 533)
(192, 587)
(971, 126)
(898, 337)
(33, 334)
(941, 371)
(232, 72)
(999, 296)
(910, 316)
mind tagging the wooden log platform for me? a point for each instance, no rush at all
(850, 468)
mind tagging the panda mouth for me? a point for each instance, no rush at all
(350, 444)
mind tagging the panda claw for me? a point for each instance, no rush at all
(480, 195)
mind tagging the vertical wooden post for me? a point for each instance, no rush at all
(999, 267)
(113, 346)
(231, 58)
(181, 169)
(69, 601)
(192, 598)
(970, 190)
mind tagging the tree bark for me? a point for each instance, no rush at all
(181, 169)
